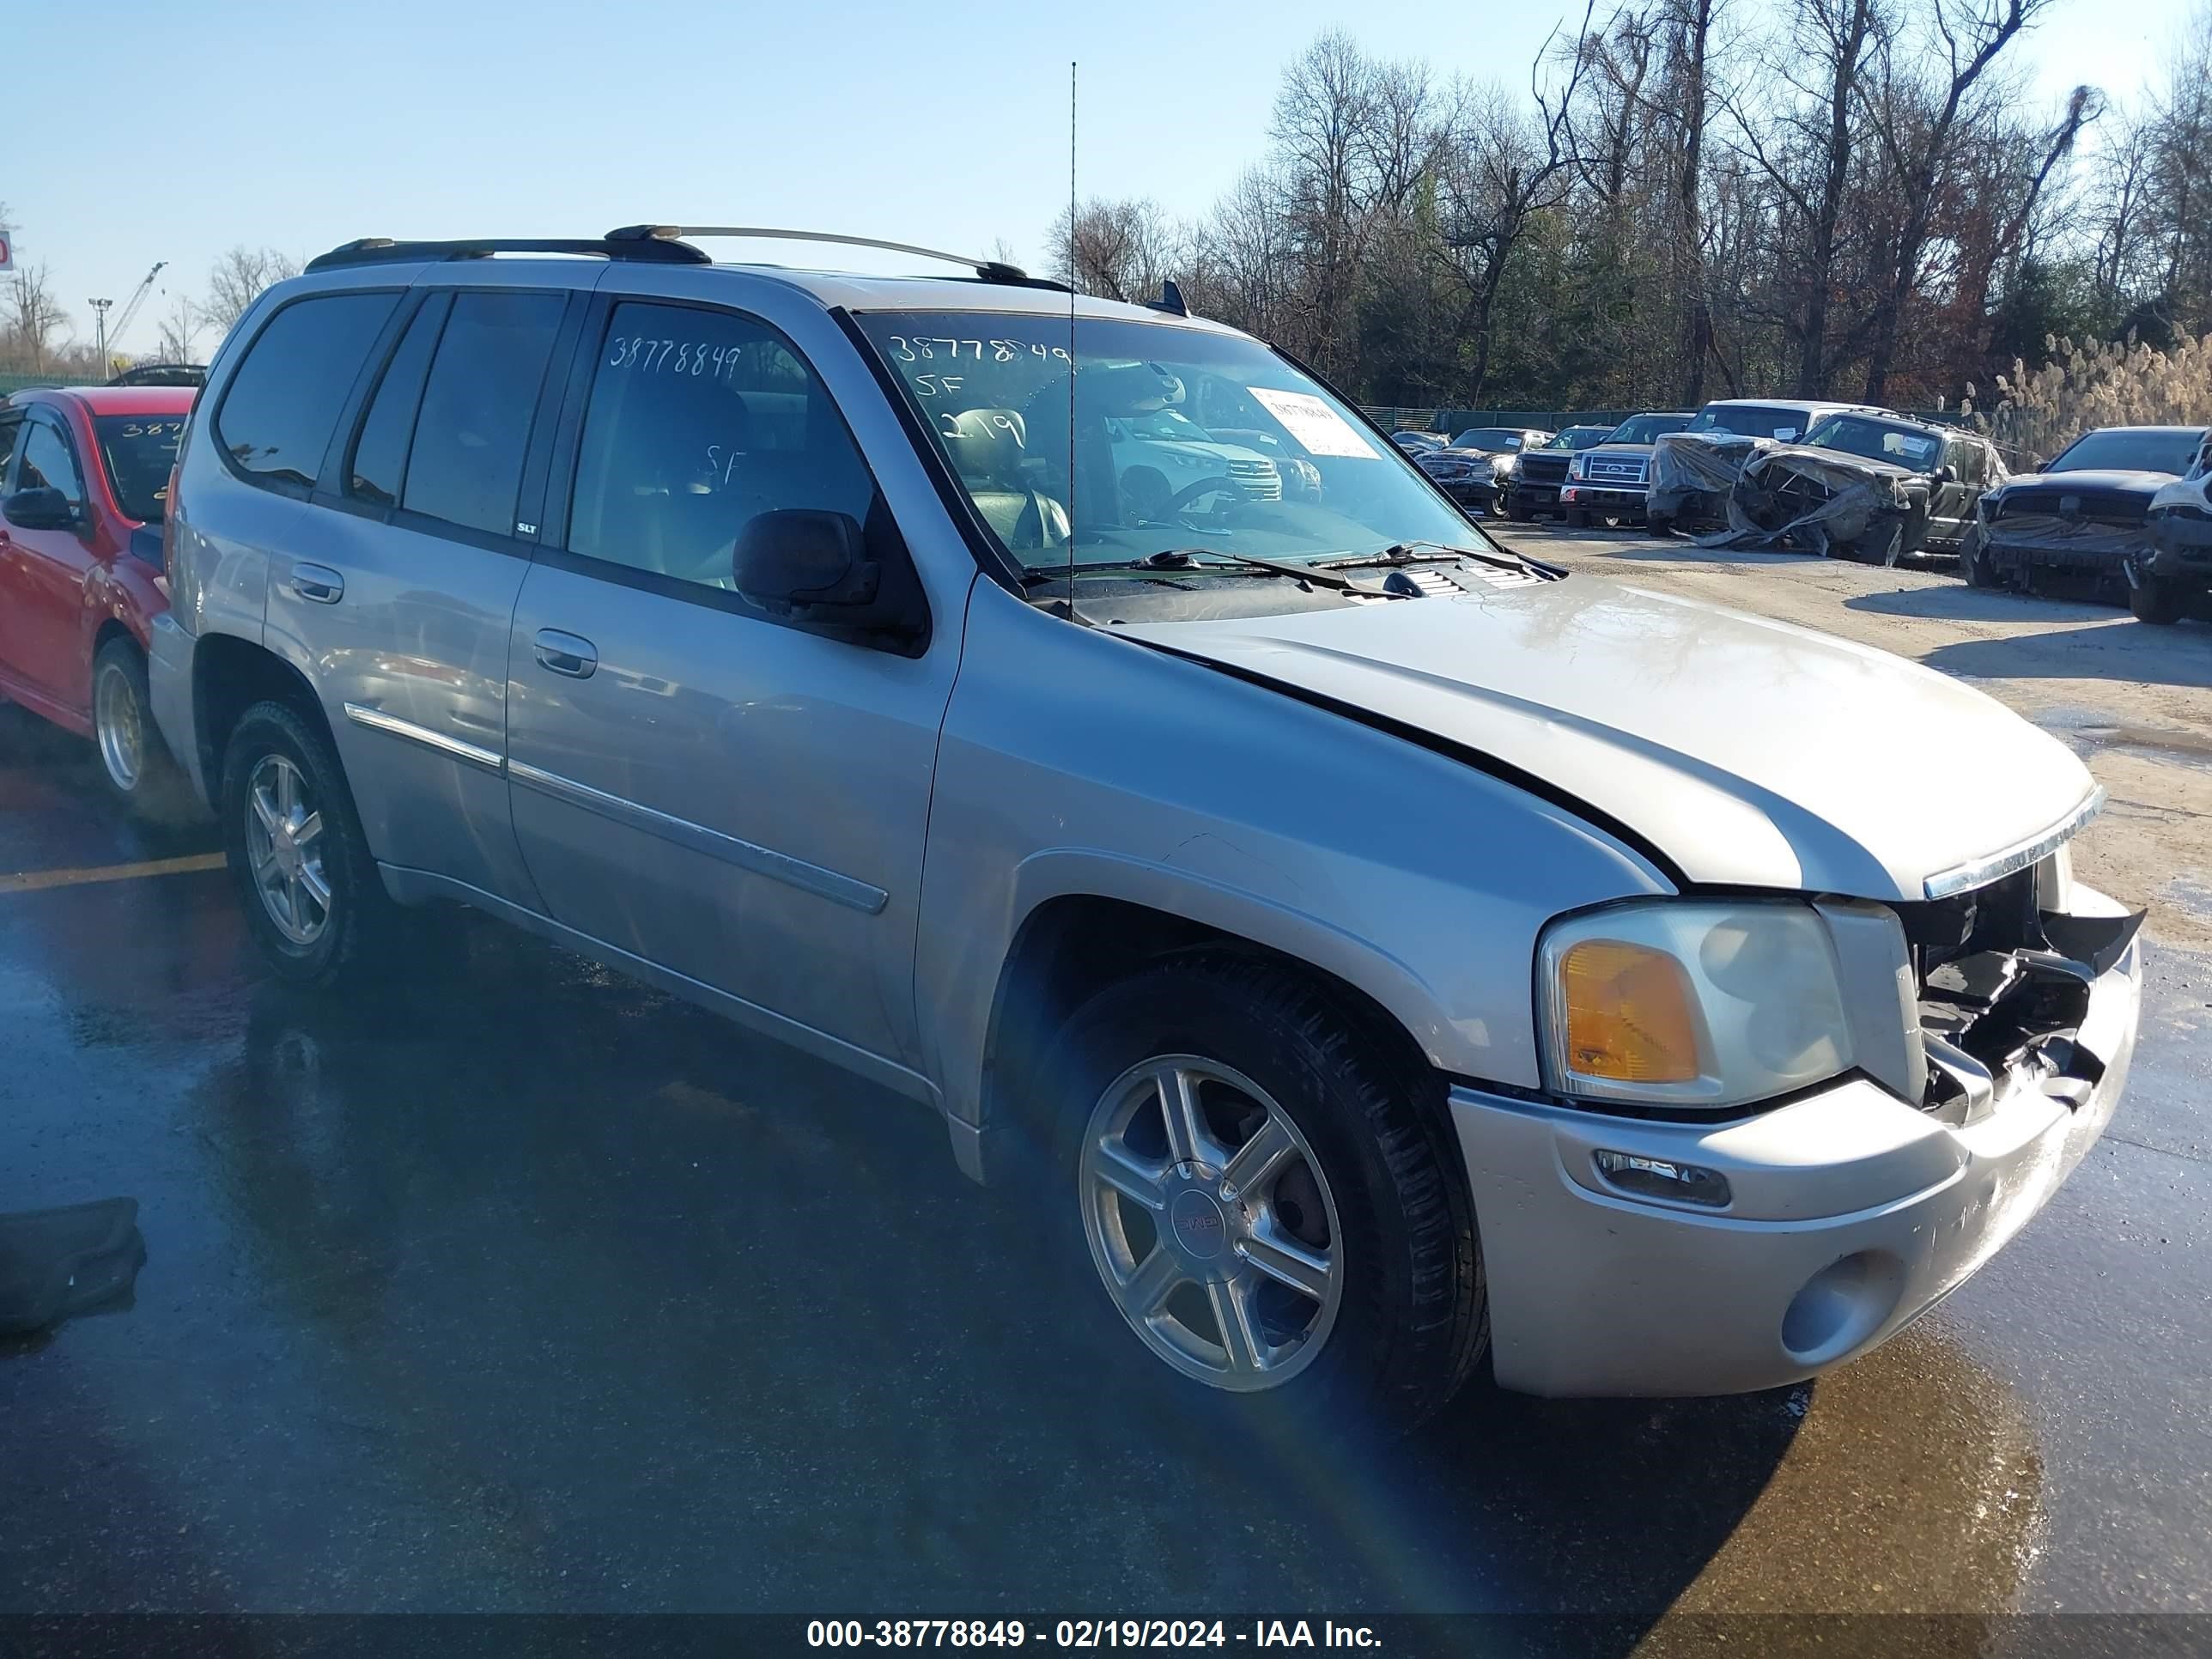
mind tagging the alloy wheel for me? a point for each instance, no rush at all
(284, 846)
(1210, 1222)
(119, 723)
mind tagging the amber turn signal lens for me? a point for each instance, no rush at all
(1630, 1016)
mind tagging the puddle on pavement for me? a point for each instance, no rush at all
(2085, 730)
(1915, 1486)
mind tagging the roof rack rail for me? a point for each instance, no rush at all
(989, 271)
(383, 250)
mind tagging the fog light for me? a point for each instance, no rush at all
(1660, 1178)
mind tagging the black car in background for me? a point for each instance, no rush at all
(2084, 517)
(1610, 479)
(1418, 443)
(1532, 485)
(1468, 468)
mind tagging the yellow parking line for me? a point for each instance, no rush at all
(33, 881)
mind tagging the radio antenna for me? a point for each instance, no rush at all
(1074, 615)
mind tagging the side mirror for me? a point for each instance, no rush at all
(1947, 474)
(44, 508)
(813, 567)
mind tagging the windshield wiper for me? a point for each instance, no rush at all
(1214, 558)
(1410, 553)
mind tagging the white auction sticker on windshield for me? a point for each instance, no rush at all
(1314, 423)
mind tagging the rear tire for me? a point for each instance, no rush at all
(313, 900)
(1659, 524)
(134, 761)
(2152, 600)
(1360, 1186)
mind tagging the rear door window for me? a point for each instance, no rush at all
(283, 404)
(473, 433)
(11, 428)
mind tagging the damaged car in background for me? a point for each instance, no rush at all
(2084, 517)
(2177, 564)
(1692, 471)
(1873, 488)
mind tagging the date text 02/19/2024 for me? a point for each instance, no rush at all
(1085, 1633)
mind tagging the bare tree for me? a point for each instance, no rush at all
(1121, 249)
(237, 281)
(34, 322)
(1503, 169)
(1917, 121)
(178, 337)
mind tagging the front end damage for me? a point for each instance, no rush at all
(2004, 976)
(2079, 538)
(1693, 473)
(2180, 533)
(1794, 497)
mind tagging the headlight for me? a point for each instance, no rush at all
(1692, 1003)
(1574, 469)
(1502, 466)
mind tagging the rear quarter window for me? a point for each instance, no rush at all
(280, 409)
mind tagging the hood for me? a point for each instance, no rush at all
(2145, 484)
(2184, 492)
(1198, 449)
(1748, 752)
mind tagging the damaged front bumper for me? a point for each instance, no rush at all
(1852, 1210)
(2017, 546)
(2181, 546)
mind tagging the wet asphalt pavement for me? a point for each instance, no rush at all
(527, 1289)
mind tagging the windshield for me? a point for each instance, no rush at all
(1182, 439)
(1643, 429)
(2131, 449)
(1750, 421)
(1489, 437)
(1878, 441)
(137, 452)
(1580, 437)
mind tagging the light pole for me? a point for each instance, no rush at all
(100, 306)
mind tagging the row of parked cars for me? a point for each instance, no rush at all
(825, 649)
(2126, 510)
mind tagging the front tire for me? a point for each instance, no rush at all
(1265, 1202)
(2152, 600)
(313, 900)
(134, 763)
(1974, 561)
(1578, 519)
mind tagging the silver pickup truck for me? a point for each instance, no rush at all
(1363, 954)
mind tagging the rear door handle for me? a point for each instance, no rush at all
(317, 584)
(567, 653)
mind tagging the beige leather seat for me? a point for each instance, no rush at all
(987, 445)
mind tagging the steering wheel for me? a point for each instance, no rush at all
(1189, 495)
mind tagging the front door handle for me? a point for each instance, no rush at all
(567, 653)
(317, 584)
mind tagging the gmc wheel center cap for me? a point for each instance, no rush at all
(1197, 1227)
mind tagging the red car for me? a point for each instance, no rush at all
(84, 476)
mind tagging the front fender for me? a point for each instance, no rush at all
(1418, 879)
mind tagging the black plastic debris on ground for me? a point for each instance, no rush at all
(55, 1264)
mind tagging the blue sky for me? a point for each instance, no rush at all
(302, 126)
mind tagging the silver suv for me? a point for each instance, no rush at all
(1371, 953)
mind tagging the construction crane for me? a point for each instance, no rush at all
(115, 330)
